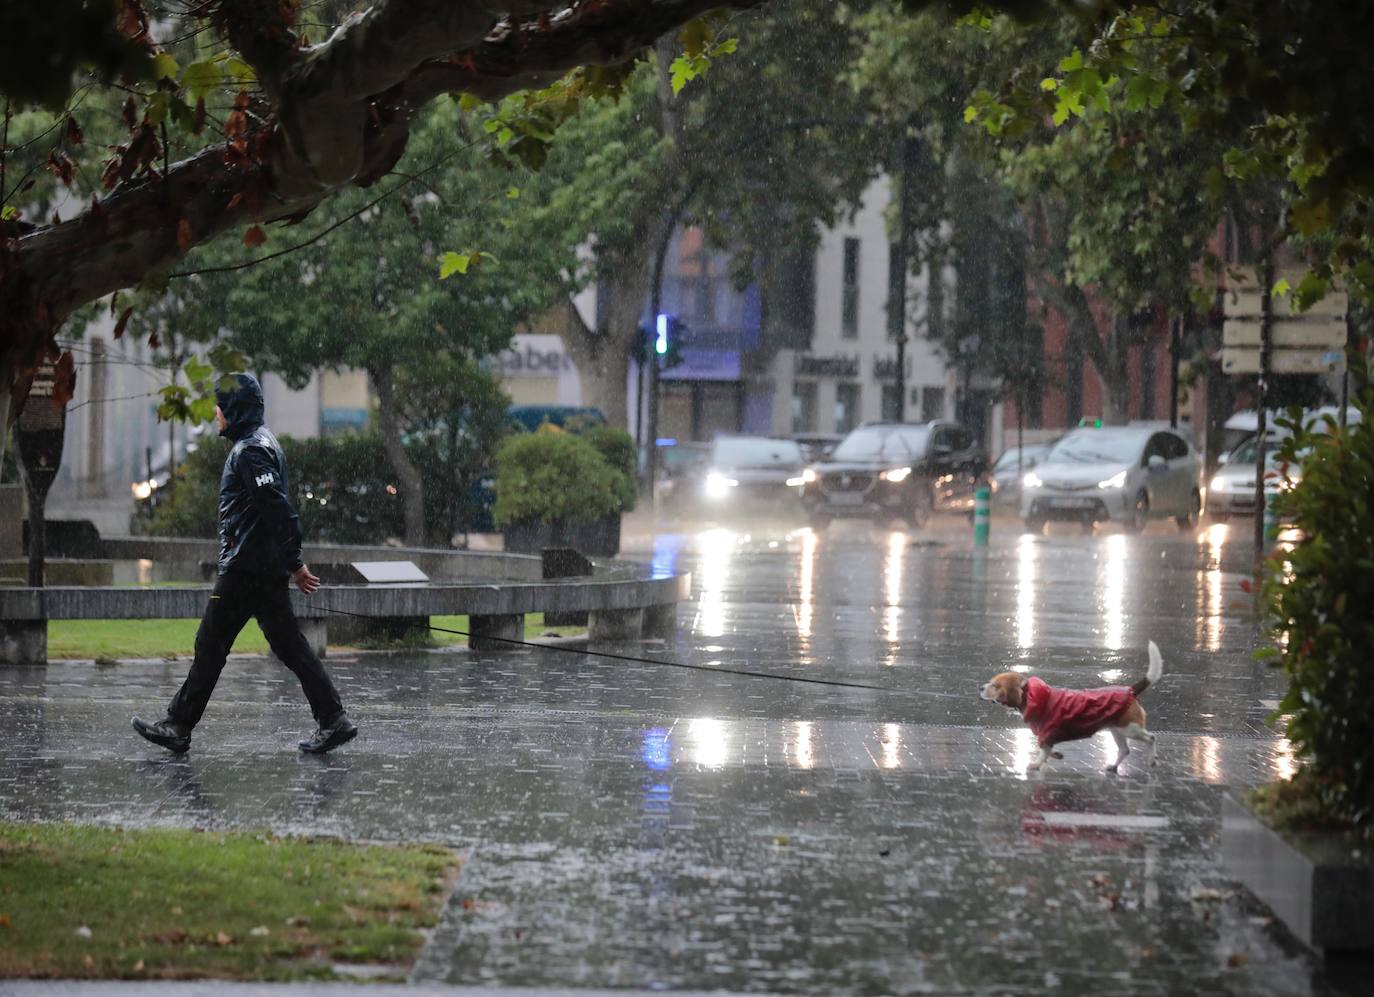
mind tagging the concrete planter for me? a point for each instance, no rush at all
(1321, 885)
(596, 538)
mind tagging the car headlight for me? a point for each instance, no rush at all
(896, 474)
(1031, 480)
(807, 477)
(1220, 484)
(1117, 480)
(718, 485)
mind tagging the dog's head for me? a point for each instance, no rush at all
(1007, 689)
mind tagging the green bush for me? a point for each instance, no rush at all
(1320, 592)
(554, 476)
(191, 508)
(338, 486)
(617, 448)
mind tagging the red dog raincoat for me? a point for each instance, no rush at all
(1070, 714)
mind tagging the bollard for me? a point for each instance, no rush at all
(982, 499)
(1271, 520)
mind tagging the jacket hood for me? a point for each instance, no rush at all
(242, 407)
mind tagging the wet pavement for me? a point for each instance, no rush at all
(632, 826)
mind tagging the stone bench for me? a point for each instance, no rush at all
(619, 608)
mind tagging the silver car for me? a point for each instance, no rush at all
(1232, 490)
(1122, 474)
(1011, 468)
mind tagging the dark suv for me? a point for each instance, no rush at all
(905, 471)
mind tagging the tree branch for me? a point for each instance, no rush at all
(343, 112)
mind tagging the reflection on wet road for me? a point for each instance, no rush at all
(628, 826)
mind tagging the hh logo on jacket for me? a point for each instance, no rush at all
(264, 479)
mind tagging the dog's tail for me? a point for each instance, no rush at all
(1153, 673)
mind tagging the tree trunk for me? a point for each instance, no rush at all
(1113, 373)
(412, 488)
(602, 354)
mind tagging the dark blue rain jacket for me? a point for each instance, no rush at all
(259, 531)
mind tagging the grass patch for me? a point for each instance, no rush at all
(108, 903)
(112, 640)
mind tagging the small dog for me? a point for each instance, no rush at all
(1057, 715)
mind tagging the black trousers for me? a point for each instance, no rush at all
(237, 597)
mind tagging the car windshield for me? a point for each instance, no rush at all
(1100, 446)
(752, 451)
(1245, 453)
(883, 443)
(1029, 456)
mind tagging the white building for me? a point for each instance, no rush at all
(848, 376)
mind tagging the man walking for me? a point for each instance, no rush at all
(259, 548)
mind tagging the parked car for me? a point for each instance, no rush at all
(904, 471)
(1122, 474)
(751, 471)
(1011, 467)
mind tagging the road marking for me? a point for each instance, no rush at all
(1134, 822)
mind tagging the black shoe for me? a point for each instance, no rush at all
(166, 733)
(341, 731)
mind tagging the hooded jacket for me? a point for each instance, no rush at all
(1056, 715)
(259, 531)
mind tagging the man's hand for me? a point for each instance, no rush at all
(304, 580)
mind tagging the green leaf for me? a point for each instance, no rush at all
(1071, 62)
(197, 371)
(201, 77)
(683, 72)
(513, 193)
(453, 263)
(156, 111)
(165, 66)
(1049, 84)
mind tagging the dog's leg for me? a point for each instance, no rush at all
(1041, 753)
(1137, 732)
(1122, 749)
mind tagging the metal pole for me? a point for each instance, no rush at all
(1175, 341)
(908, 173)
(1266, 276)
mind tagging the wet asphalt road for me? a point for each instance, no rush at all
(638, 827)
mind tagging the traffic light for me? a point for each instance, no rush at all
(668, 332)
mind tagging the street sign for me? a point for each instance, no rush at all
(1246, 360)
(1243, 293)
(1286, 334)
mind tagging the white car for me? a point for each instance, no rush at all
(1232, 490)
(1122, 474)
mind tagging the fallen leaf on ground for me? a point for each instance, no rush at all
(260, 931)
(222, 939)
(1237, 960)
(83, 932)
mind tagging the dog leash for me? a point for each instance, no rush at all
(713, 669)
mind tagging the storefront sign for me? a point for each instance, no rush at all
(704, 365)
(885, 368)
(534, 356)
(809, 366)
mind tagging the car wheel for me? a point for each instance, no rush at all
(1194, 515)
(921, 505)
(1140, 513)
